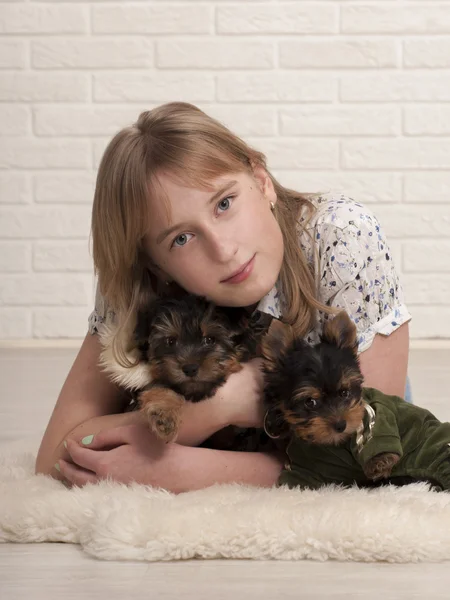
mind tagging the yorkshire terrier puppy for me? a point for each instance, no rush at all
(315, 394)
(191, 347)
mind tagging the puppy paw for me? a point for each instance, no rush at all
(380, 466)
(163, 425)
(162, 408)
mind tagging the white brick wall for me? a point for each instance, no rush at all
(346, 95)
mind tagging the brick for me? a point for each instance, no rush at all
(426, 289)
(430, 322)
(426, 187)
(29, 153)
(15, 188)
(45, 290)
(281, 18)
(71, 187)
(411, 221)
(64, 322)
(427, 256)
(435, 120)
(153, 19)
(92, 53)
(276, 86)
(66, 256)
(395, 87)
(31, 19)
(289, 153)
(15, 323)
(433, 53)
(44, 87)
(395, 154)
(385, 19)
(339, 54)
(15, 120)
(15, 257)
(13, 54)
(159, 87)
(245, 120)
(82, 120)
(38, 222)
(214, 54)
(338, 120)
(365, 187)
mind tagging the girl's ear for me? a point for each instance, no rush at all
(276, 342)
(265, 183)
(341, 332)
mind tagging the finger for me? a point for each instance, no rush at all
(107, 439)
(84, 456)
(75, 475)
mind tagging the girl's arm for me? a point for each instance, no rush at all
(86, 394)
(385, 364)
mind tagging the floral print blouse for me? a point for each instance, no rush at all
(353, 266)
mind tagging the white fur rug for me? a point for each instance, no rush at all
(112, 521)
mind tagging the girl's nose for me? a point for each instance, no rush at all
(222, 249)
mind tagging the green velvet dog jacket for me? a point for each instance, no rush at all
(390, 425)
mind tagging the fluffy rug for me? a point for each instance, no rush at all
(112, 521)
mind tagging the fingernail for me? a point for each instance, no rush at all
(57, 467)
(65, 444)
(87, 440)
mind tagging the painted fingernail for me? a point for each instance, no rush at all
(57, 467)
(87, 440)
(65, 444)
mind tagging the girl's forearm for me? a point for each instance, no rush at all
(45, 462)
(200, 420)
(199, 468)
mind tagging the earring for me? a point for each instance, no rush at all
(272, 207)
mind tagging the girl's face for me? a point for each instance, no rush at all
(207, 237)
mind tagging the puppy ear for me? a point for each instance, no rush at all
(341, 332)
(274, 424)
(237, 320)
(276, 342)
(144, 320)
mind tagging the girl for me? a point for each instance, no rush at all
(182, 204)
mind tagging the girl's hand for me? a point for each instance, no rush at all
(123, 454)
(242, 395)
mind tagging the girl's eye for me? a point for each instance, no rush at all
(209, 341)
(170, 341)
(310, 403)
(181, 240)
(345, 394)
(225, 203)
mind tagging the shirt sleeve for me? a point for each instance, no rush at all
(357, 272)
(101, 313)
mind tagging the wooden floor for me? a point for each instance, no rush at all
(30, 381)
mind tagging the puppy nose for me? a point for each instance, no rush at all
(340, 426)
(190, 370)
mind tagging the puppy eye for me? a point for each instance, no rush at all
(170, 341)
(310, 403)
(345, 393)
(209, 341)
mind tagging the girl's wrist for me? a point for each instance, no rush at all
(200, 420)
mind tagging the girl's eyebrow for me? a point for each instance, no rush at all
(162, 236)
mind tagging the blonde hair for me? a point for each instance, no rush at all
(181, 139)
